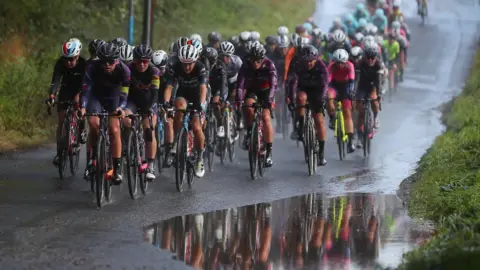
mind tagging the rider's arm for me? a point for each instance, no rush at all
(87, 86)
(378, 78)
(272, 79)
(203, 79)
(241, 82)
(324, 75)
(293, 83)
(154, 86)
(170, 81)
(224, 83)
(56, 78)
(351, 77)
(125, 85)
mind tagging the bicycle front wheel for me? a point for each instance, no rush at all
(64, 145)
(253, 151)
(311, 139)
(181, 159)
(100, 171)
(141, 159)
(74, 153)
(160, 145)
(340, 142)
(132, 164)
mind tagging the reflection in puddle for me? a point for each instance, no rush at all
(355, 231)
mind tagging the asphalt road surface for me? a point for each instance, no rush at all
(43, 228)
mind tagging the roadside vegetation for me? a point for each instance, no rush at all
(35, 29)
(446, 187)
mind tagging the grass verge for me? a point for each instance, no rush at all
(446, 187)
(35, 29)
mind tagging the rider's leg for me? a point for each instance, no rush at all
(301, 100)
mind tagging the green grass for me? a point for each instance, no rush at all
(35, 29)
(447, 187)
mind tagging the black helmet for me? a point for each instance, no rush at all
(108, 51)
(142, 52)
(94, 45)
(271, 40)
(371, 51)
(257, 51)
(214, 37)
(309, 53)
(180, 43)
(211, 54)
(119, 42)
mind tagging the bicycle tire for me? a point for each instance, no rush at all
(231, 144)
(340, 141)
(107, 181)
(211, 140)
(366, 130)
(141, 154)
(132, 166)
(181, 162)
(312, 164)
(159, 135)
(190, 163)
(64, 146)
(284, 120)
(305, 141)
(253, 151)
(74, 156)
(100, 172)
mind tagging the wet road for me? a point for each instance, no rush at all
(44, 228)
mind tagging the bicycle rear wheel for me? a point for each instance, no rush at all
(191, 160)
(285, 120)
(231, 135)
(132, 164)
(311, 139)
(74, 153)
(340, 141)
(181, 159)
(211, 140)
(253, 151)
(141, 159)
(64, 146)
(107, 180)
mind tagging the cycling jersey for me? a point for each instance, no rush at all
(392, 49)
(204, 60)
(263, 79)
(368, 77)
(107, 90)
(144, 88)
(218, 80)
(343, 74)
(402, 41)
(242, 53)
(394, 16)
(279, 60)
(232, 70)
(188, 84)
(288, 59)
(92, 60)
(71, 80)
(359, 14)
(332, 46)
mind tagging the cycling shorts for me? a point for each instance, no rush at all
(140, 108)
(190, 95)
(339, 91)
(261, 96)
(315, 99)
(64, 95)
(96, 104)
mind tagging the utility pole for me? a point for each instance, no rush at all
(152, 20)
(147, 30)
(130, 22)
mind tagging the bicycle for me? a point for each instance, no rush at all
(163, 115)
(310, 144)
(423, 10)
(68, 141)
(339, 130)
(137, 164)
(185, 157)
(102, 159)
(256, 147)
(227, 143)
(367, 130)
(210, 135)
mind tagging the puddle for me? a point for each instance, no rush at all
(355, 231)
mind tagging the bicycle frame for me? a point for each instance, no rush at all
(339, 116)
(136, 127)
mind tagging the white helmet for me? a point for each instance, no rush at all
(196, 37)
(226, 48)
(369, 38)
(126, 53)
(160, 58)
(370, 43)
(339, 36)
(197, 44)
(283, 41)
(340, 55)
(244, 36)
(396, 3)
(359, 37)
(396, 25)
(379, 39)
(255, 36)
(188, 54)
(356, 51)
(317, 32)
(373, 30)
(70, 49)
(337, 22)
(77, 41)
(304, 41)
(282, 31)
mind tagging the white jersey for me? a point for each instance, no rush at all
(232, 68)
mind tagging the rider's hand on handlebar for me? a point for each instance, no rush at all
(50, 101)
(120, 112)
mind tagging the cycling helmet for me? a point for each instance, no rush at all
(283, 41)
(362, 22)
(294, 39)
(188, 54)
(349, 17)
(271, 40)
(396, 25)
(196, 37)
(356, 52)
(359, 37)
(340, 55)
(282, 31)
(234, 40)
(300, 29)
(303, 41)
(142, 52)
(317, 32)
(396, 4)
(70, 49)
(119, 42)
(160, 58)
(309, 53)
(339, 36)
(379, 39)
(308, 26)
(371, 51)
(77, 41)
(214, 37)
(94, 44)
(360, 7)
(253, 44)
(211, 54)
(108, 51)
(245, 36)
(254, 36)
(337, 22)
(126, 53)
(379, 12)
(257, 51)
(181, 42)
(226, 48)
(369, 38)
(197, 44)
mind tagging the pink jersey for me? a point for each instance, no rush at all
(341, 74)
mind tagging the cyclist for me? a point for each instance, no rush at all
(257, 82)
(380, 21)
(356, 56)
(361, 12)
(403, 42)
(197, 37)
(392, 49)
(396, 14)
(119, 42)
(106, 86)
(341, 74)
(384, 5)
(370, 77)
(337, 25)
(142, 98)
(254, 36)
(214, 39)
(279, 57)
(425, 8)
(282, 31)
(126, 54)
(270, 45)
(311, 79)
(160, 60)
(241, 50)
(92, 49)
(192, 78)
(67, 83)
(362, 26)
(338, 41)
(351, 25)
(218, 84)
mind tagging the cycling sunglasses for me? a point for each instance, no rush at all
(143, 61)
(107, 61)
(69, 59)
(256, 60)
